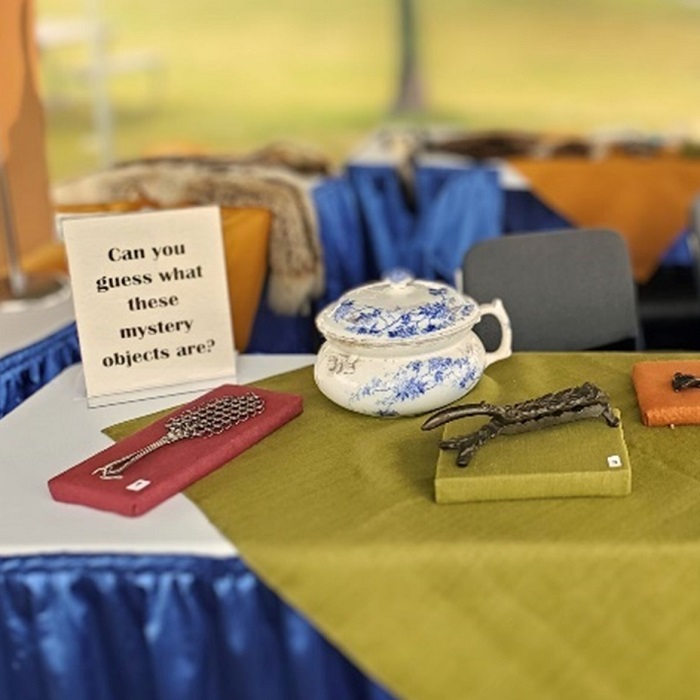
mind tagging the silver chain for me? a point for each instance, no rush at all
(211, 418)
(215, 416)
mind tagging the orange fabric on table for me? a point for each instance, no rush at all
(246, 241)
(246, 234)
(659, 404)
(22, 127)
(646, 200)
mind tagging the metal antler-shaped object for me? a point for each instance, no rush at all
(572, 404)
(681, 381)
(208, 419)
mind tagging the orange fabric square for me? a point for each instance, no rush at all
(658, 402)
(646, 200)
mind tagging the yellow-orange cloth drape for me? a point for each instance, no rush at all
(22, 143)
(646, 200)
(246, 233)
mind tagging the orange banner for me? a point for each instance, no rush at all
(22, 145)
(646, 200)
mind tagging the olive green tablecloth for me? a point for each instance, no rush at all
(545, 599)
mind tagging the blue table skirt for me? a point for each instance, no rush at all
(111, 627)
(28, 369)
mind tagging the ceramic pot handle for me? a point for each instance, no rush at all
(505, 349)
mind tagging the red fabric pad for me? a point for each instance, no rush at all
(170, 469)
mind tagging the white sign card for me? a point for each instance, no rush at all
(151, 302)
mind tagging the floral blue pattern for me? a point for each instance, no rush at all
(403, 323)
(417, 377)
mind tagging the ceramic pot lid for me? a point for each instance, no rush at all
(399, 309)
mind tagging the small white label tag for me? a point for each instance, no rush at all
(614, 461)
(138, 485)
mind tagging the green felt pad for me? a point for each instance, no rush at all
(583, 458)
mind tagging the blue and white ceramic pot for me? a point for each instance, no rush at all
(403, 346)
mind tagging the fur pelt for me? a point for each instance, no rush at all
(295, 261)
(299, 158)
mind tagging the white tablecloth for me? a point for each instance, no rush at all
(53, 430)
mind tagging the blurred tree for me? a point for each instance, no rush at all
(410, 93)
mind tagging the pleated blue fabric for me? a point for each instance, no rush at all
(429, 232)
(110, 627)
(26, 370)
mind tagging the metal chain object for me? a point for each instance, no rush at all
(211, 418)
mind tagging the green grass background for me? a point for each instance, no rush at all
(238, 74)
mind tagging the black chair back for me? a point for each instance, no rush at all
(563, 290)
